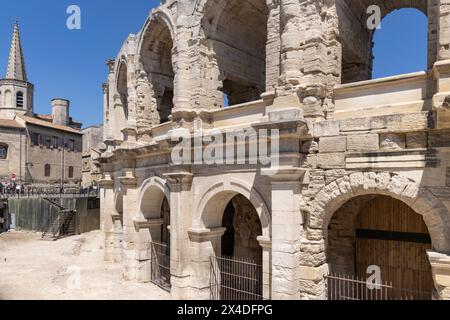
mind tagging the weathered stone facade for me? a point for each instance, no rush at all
(302, 68)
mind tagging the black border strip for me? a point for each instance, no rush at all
(393, 236)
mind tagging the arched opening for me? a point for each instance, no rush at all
(242, 230)
(380, 240)
(156, 58)
(399, 46)
(47, 170)
(155, 236)
(236, 40)
(122, 90)
(19, 100)
(237, 264)
(8, 99)
(71, 172)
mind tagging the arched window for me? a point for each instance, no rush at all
(8, 99)
(47, 170)
(3, 151)
(402, 43)
(236, 34)
(19, 100)
(156, 58)
(70, 172)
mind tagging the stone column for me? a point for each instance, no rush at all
(106, 209)
(204, 243)
(180, 221)
(287, 228)
(130, 209)
(117, 237)
(266, 244)
(110, 125)
(444, 30)
(309, 48)
(440, 267)
(145, 229)
(182, 83)
(290, 50)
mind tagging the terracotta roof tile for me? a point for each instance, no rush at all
(43, 123)
(10, 124)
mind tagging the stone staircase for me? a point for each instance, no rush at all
(62, 225)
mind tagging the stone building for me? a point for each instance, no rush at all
(31, 145)
(361, 176)
(92, 141)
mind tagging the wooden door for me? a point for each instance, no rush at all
(395, 238)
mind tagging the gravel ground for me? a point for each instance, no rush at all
(67, 269)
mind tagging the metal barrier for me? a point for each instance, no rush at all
(160, 265)
(235, 279)
(350, 287)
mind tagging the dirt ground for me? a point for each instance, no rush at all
(67, 269)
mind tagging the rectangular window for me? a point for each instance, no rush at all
(55, 142)
(35, 139)
(71, 145)
(48, 142)
(3, 152)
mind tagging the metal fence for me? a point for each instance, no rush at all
(160, 265)
(235, 279)
(51, 193)
(350, 287)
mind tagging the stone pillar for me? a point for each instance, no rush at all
(106, 209)
(266, 244)
(145, 229)
(204, 243)
(117, 236)
(444, 30)
(130, 209)
(309, 50)
(180, 221)
(290, 51)
(182, 83)
(440, 267)
(287, 228)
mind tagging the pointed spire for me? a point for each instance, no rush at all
(16, 65)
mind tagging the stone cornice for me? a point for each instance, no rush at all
(202, 235)
(284, 174)
(147, 224)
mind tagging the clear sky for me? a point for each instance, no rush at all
(71, 64)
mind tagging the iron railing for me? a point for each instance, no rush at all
(43, 193)
(235, 279)
(350, 287)
(160, 265)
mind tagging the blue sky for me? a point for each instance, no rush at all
(71, 64)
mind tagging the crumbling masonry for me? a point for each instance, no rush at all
(302, 67)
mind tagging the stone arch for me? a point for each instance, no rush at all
(122, 85)
(357, 38)
(164, 16)
(233, 39)
(435, 214)
(211, 205)
(153, 191)
(8, 99)
(156, 48)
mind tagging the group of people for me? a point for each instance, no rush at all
(13, 189)
(9, 188)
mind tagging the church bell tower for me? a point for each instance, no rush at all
(16, 93)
